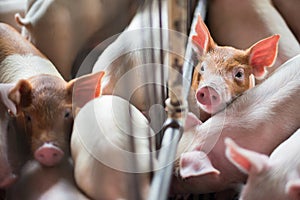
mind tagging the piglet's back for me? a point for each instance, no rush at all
(11, 42)
(19, 59)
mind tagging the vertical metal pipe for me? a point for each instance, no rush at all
(176, 103)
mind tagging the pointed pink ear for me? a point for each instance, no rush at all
(195, 163)
(263, 54)
(247, 161)
(202, 41)
(191, 121)
(4, 91)
(292, 189)
(85, 88)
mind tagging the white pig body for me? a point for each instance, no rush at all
(103, 158)
(268, 113)
(130, 62)
(61, 29)
(276, 177)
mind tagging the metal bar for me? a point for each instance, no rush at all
(188, 65)
(176, 105)
(162, 178)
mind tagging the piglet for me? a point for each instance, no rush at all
(276, 177)
(223, 73)
(44, 101)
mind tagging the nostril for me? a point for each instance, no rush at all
(202, 94)
(215, 98)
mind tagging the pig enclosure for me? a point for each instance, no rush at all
(129, 68)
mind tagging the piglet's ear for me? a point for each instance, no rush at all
(4, 91)
(195, 163)
(263, 54)
(247, 161)
(21, 94)
(85, 88)
(202, 41)
(292, 189)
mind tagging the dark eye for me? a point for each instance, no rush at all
(239, 73)
(27, 118)
(202, 68)
(67, 114)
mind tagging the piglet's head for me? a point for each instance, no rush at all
(223, 72)
(46, 103)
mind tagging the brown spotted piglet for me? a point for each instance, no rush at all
(44, 100)
(223, 73)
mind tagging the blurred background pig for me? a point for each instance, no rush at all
(8, 9)
(63, 30)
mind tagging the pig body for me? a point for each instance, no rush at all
(275, 177)
(106, 167)
(38, 182)
(268, 113)
(130, 61)
(61, 29)
(42, 98)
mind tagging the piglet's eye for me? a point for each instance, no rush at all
(27, 118)
(67, 114)
(239, 74)
(202, 68)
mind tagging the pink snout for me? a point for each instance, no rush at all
(208, 96)
(49, 155)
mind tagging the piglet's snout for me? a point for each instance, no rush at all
(49, 155)
(208, 96)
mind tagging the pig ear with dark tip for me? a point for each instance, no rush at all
(247, 161)
(202, 41)
(195, 163)
(263, 54)
(20, 94)
(4, 91)
(292, 189)
(85, 88)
